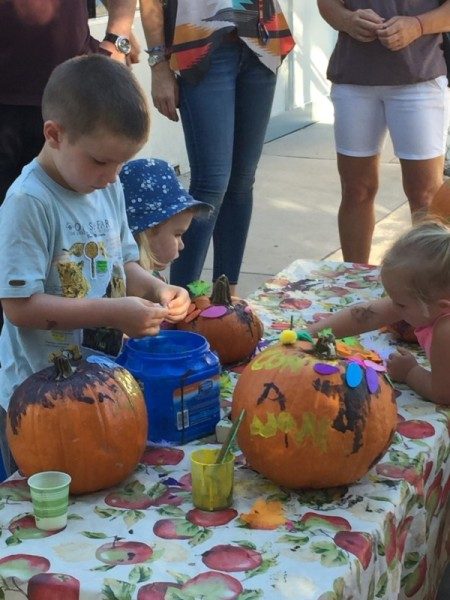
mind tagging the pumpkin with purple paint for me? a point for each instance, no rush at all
(314, 421)
(89, 421)
(231, 328)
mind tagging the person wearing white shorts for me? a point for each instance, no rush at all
(388, 74)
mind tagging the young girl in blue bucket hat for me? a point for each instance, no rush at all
(159, 210)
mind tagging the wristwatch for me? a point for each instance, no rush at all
(120, 42)
(156, 55)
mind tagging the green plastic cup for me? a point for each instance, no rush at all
(50, 496)
(212, 483)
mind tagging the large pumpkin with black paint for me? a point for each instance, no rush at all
(89, 421)
(229, 324)
(305, 426)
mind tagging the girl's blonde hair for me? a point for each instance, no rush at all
(421, 257)
(147, 259)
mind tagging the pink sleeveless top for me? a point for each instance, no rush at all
(425, 334)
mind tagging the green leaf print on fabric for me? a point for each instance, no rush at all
(113, 589)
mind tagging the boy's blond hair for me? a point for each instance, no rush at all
(421, 257)
(94, 93)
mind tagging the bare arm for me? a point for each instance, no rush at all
(358, 318)
(361, 24)
(134, 316)
(164, 84)
(120, 20)
(433, 385)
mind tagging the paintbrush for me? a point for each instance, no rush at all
(226, 446)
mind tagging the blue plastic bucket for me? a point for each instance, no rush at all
(179, 376)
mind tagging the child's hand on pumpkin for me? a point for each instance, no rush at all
(176, 300)
(399, 364)
(137, 317)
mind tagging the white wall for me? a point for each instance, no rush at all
(302, 85)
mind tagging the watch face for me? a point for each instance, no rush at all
(123, 44)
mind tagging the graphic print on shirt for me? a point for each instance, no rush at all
(199, 27)
(88, 269)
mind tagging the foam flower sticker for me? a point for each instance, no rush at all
(265, 514)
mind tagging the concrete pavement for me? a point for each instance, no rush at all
(297, 195)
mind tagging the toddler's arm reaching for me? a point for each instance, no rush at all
(358, 318)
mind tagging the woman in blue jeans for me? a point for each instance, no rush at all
(225, 58)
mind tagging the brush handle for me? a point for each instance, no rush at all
(230, 438)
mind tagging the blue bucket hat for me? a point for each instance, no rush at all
(153, 193)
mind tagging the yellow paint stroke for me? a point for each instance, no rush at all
(276, 358)
(313, 428)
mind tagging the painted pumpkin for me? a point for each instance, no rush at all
(89, 421)
(231, 328)
(314, 421)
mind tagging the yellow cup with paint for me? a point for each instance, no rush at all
(212, 483)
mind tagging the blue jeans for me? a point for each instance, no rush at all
(9, 466)
(224, 118)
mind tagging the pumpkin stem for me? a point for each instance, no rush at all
(221, 295)
(64, 369)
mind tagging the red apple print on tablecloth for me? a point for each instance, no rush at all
(311, 520)
(413, 582)
(133, 496)
(358, 543)
(213, 585)
(177, 529)
(23, 566)
(407, 473)
(204, 518)
(295, 303)
(402, 534)
(162, 455)
(23, 527)
(415, 429)
(124, 553)
(16, 490)
(186, 482)
(229, 558)
(390, 539)
(433, 497)
(53, 586)
(156, 590)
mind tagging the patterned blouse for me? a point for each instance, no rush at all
(196, 27)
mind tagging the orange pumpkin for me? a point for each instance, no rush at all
(231, 328)
(312, 421)
(89, 421)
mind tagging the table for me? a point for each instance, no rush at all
(119, 542)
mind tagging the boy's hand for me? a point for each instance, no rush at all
(177, 301)
(137, 317)
(399, 364)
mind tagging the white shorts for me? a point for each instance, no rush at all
(415, 115)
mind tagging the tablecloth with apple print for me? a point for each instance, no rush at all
(383, 537)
